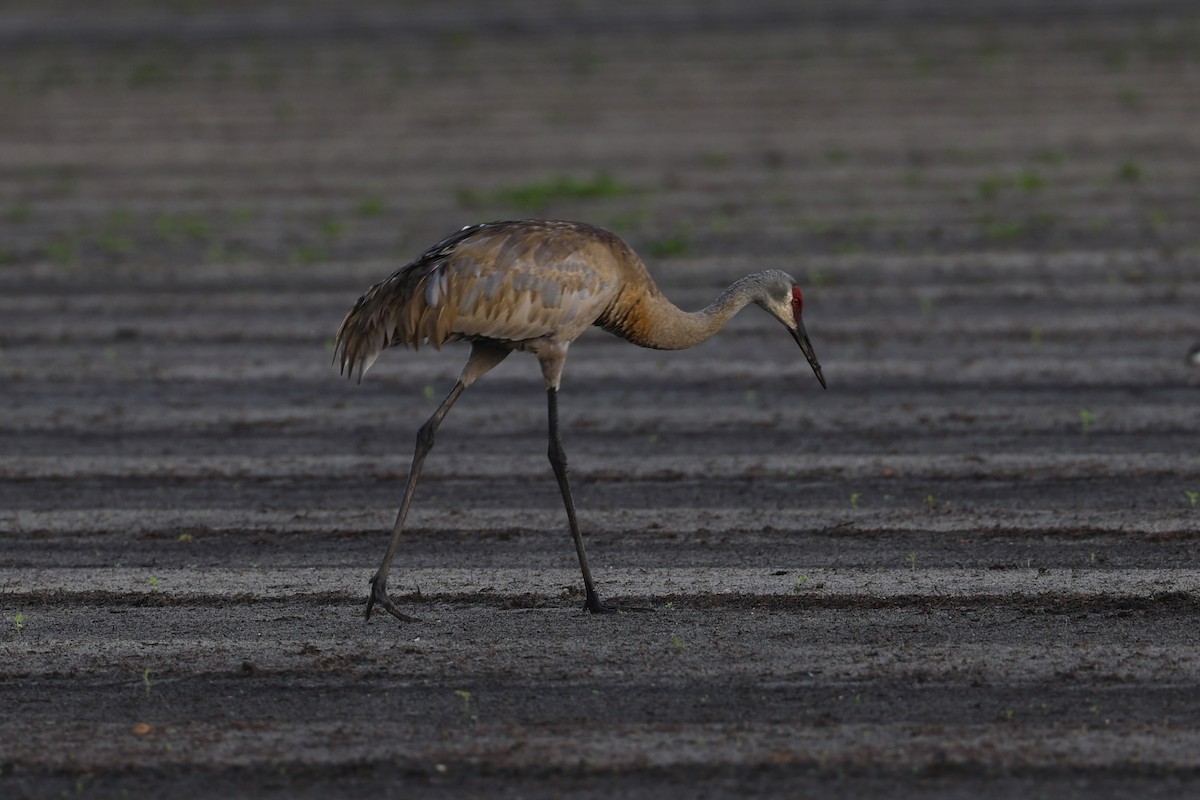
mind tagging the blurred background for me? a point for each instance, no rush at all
(179, 135)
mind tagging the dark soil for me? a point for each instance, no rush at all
(967, 569)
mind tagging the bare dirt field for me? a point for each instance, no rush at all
(970, 568)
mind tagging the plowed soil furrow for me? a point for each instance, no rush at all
(967, 569)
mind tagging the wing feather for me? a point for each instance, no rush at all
(509, 282)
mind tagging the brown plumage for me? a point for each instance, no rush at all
(534, 285)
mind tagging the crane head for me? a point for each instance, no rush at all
(796, 328)
(780, 295)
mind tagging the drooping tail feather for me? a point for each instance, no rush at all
(359, 341)
(393, 311)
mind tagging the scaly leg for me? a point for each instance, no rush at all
(558, 460)
(424, 444)
(484, 356)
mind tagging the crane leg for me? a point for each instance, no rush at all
(558, 460)
(483, 357)
(424, 444)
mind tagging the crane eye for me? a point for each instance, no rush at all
(797, 300)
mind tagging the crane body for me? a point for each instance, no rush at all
(533, 286)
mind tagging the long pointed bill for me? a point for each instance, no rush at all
(801, 337)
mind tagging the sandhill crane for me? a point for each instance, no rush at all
(534, 285)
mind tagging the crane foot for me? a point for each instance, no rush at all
(594, 605)
(379, 595)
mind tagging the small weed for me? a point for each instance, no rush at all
(146, 682)
(153, 581)
(1086, 420)
(115, 244)
(180, 226)
(18, 212)
(243, 215)
(1130, 99)
(912, 560)
(428, 394)
(1009, 713)
(818, 277)
(149, 73)
(677, 644)
(120, 219)
(468, 707)
(924, 65)
(629, 220)
(1004, 231)
(1035, 335)
(584, 64)
(854, 498)
(64, 253)
(1050, 156)
(800, 581)
(1193, 496)
(19, 620)
(220, 254)
(1030, 181)
(186, 538)
(668, 246)
(538, 195)
(1129, 172)
(332, 228)
(371, 206)
(930, 502)
(989, 188)
(308, 254)
(837, 156)
(1116, 60)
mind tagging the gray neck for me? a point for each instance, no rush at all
(664, 326)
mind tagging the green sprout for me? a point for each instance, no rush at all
(538, 195)
(854, 497)
(1193, 496)
(912, 560)
(468, 707)
(370, 206)
(19, 619)
(1086, 419)
(669, 246)
(1129, 172)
